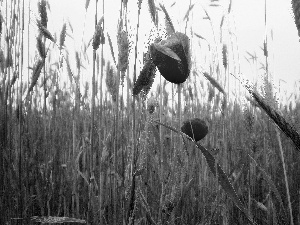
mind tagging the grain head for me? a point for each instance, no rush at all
(111, 81)
(62, 36)
(41, 47)
(146, 78)
(224, 54)
(98, 37)
(43, 12)
(123, 45)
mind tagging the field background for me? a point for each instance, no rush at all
(78, 144)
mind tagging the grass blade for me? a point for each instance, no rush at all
(111, 49)
(169, 25)
(152, 11)
(188, 12)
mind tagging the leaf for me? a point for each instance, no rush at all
(214, 5)
(169, 25)
(62, 36)
(167, 51)
(208, 17)
(111, 49)
(45, 32)
(70, 25)
(214, 82)
(229, 7)
(87, 3)
(152, 10)
(223, 180)
(222, 21)
(188, 12)
(35, 74)
(199, 36)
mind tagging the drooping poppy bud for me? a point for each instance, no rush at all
(195, 128)
(172, 57)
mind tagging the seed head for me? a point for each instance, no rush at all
(36, 74)
(43, 12)
(98, 37)
(211, 93)
(41, 47)
(111, 81)
(224, 53)
(265, 49)
(62, 36)
(44, 31)
(123, 45)
(145, 79)
(78, 63)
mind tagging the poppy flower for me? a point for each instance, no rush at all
(172, 57)
(195, 128)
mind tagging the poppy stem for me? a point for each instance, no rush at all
(179, 111)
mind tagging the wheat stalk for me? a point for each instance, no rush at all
(286, 128)
(214, 82)
(285, 177)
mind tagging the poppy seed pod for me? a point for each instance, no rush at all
(195, 128)
(172, 57)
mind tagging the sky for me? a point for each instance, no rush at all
(246, 22)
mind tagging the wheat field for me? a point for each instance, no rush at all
(111, 133)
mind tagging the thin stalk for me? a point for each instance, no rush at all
(179, 113)
(100, 125)
(133, 161)
(285, 177)
(179, 128)
(116, 140)
(92, 119)
(93, 108)
(123, 199)
(172, 124)
(116, 147)
(161, 151)
(20, 109)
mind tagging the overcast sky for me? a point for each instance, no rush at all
(246, 21)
